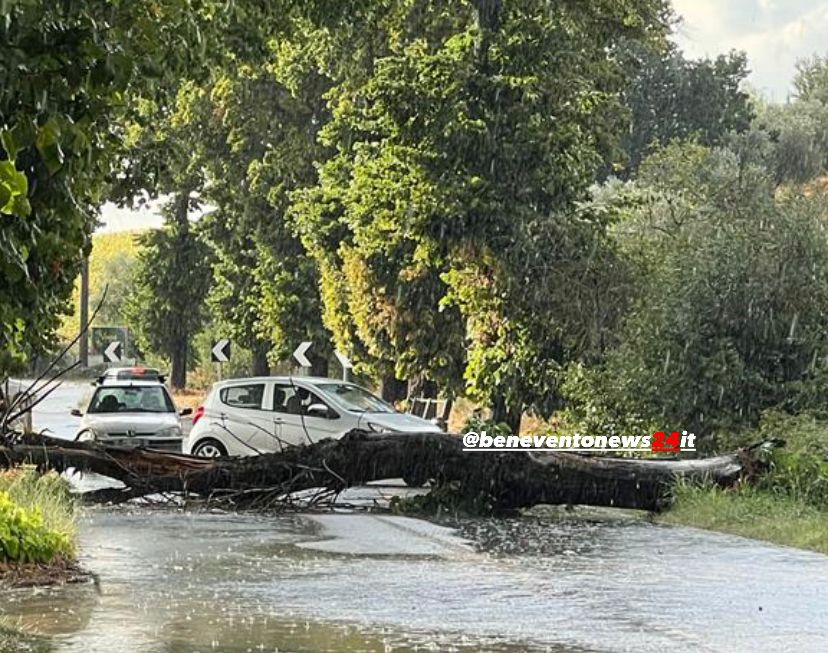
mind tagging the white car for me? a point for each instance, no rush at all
(244, 417)
(133, 414)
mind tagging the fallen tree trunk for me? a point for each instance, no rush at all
(507, 480)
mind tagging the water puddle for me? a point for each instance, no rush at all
(183, 582)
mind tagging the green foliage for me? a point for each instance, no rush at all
(750, 512)
(797, 139)
(801, 476)
(265, 294)
(37, 520)
(732, 291)
(442, 214)
(477, 423)
(673, 98)
(112, 265)
(166, 309)
(65, 71)
(811, 81)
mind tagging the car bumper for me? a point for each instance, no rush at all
(158, 444)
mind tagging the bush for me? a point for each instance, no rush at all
(727, 319)
(37, 517)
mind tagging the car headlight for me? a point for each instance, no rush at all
(378, 428)
(170, 432)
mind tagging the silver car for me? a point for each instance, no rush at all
(132, 414)
(243, 417)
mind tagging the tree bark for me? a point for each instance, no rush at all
(319, 365)
(504, 480)
(178, 373)
(393, 389)
(261, 367)
(501, 414)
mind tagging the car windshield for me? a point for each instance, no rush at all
(354, 398)
(131, 399)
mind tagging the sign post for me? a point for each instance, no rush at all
(345, 362)
(220, 353)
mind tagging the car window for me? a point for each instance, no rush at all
(354, 398)
(247, 396)
(131, 399)
(293, 400)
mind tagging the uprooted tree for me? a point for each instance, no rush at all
(503, 481)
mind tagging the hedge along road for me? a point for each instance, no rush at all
(179, 582)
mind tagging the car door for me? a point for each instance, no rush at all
(296, 425)
(242, 408)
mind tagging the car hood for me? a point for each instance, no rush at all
(400, 422)
(141, 423)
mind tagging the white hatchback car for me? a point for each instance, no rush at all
(132, 413)
(244, 417)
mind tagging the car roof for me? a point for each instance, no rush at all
(312, 380)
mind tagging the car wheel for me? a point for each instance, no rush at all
(210, 449)
(414, 480)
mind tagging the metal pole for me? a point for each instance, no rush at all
(84, 313)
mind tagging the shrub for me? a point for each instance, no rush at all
(37, 517)
(24, 538)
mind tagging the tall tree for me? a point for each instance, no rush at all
(266, 294)
(443, 219)
(67, 73)
(171, 283)
(674, 98)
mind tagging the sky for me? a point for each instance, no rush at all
(774, 33)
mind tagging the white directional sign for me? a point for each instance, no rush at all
(299, 354)
(220, 353)
(344, 361)
(113, 352)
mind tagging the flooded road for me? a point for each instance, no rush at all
(181, 582)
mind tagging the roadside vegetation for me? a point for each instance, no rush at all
(751, 512)
(13, 641)
(37, 521)
(788, 505)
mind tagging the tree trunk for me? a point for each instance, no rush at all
(393, 389)
(421, 387)
(319, 365)
(501, 414)
(503, 481)
(178, 373)
(261, 367)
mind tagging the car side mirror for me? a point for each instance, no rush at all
(319, 410)
(185, 412)
(75, 413)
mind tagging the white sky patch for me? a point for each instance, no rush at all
(147, 216)
(116, 219)
(775, 34)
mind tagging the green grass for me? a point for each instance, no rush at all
(37, 517)
(12, 641)
(750, 512)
